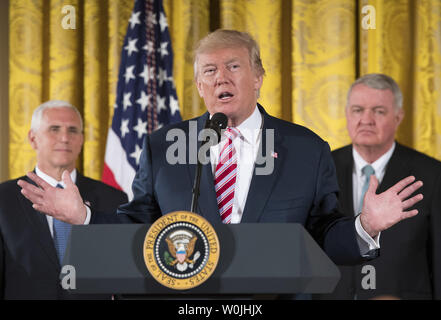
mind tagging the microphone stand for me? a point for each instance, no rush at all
(197, 178)
(196, 187)
(217, 123)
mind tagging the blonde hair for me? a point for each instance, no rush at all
(223, 38)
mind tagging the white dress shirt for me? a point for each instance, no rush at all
(358, 179)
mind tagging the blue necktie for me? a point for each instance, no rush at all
(367, 171)
(61, 235)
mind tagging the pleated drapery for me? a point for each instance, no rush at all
(311, 49)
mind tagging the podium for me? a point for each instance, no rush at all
(255, 259)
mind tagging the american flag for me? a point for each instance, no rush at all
(146, 96)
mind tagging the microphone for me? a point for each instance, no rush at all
(218, 122)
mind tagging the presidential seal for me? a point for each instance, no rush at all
(181, 250)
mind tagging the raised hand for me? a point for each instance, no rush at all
(381, 211)
(64, 204)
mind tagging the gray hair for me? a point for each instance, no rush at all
(223, 38)
(37, 116)
(381, 82)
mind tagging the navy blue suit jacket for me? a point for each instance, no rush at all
(29, 266)
(410, 263)
(301, 189)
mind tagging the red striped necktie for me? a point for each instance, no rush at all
(225, 176)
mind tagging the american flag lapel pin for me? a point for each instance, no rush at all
(274, 154)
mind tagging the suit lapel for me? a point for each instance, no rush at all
(207, 205)
(261, 185)
(396, 169)
(207, 199)
(86, 192)
(40, 227)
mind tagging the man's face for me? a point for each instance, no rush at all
(227, 83)
(372, 118)
(58, 140)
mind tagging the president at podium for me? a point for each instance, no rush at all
(263, 169)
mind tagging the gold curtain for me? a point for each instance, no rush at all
(311, 50)
(323, 58)
(406, 45)
(78, 65)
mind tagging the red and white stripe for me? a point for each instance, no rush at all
(117, 170)
(225, 176)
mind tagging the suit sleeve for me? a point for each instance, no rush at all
(144, 207)
(2, 267)
(334, 232)
(435, 225)
(4, 198)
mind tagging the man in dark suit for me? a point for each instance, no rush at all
(409, 266)
(31, 250)
(297, 182)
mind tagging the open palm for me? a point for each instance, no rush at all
(64, 204)
(381, 211)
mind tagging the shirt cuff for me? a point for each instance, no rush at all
(365, 241)
(88, 215)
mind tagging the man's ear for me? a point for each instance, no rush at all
(199, 86)
(258, 82)
(32, 137)
(82, 140)
(400, 116)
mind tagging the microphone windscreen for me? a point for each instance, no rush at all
(219, 120)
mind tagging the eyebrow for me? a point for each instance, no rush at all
(212, 64)
(208, 65)
(374, 107)
(233, 60)
(59, 126)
